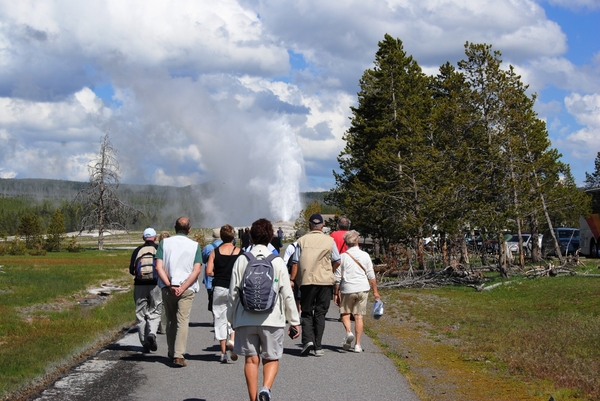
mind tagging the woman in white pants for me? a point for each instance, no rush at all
(219, 266)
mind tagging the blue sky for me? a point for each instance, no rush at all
(254, 94)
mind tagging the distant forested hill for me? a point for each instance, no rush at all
(160, 205)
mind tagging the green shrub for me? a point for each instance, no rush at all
(17, 247)
(37, 250)
(73, 246)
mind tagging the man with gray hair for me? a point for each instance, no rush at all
(353, 278)
(314, 261)
(178, 261)
(343, 226)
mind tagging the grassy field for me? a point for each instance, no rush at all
(529, 340)
(43, 327)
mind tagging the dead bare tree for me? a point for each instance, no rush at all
(101, 207)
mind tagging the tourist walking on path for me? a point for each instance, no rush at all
(353, 278)
(343, 225)
(206, 252)
(313, 264)
(162, 327)
(146, 293)
(261, 335)
(178, 261)
(219, 267)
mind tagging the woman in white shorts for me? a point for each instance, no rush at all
(353, 278)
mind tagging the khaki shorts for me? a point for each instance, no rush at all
(355, 303)
(249, 340)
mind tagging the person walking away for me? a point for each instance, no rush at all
(343, 225)
(162, 327)
(259, 335)
(287, 259)
(313, 266)
(207, 280)
(146, 293)
(353, 278)
(246, 238)
(277, 244)
(178, 261)
(219, 268)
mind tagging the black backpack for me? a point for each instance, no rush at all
(260, 288)
(145, 264)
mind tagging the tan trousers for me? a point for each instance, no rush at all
(178, 318)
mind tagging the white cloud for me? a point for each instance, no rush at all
(562, 73)
(583, 143)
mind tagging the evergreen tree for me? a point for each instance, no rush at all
(55, 232)
(386, 178)
(31, 228)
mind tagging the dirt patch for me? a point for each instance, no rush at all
(91, 297)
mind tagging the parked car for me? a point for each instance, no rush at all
(513, 243)
(568, 240)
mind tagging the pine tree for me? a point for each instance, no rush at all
(31, 228)
(386, 173)
(55, 232)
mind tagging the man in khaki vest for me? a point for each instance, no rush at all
(313, 266)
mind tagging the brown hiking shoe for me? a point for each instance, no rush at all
(179, 362)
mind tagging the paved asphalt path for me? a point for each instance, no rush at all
(122, 372)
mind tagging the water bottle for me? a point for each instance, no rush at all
(377, 309)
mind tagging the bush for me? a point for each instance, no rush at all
(73, 246)
(17, 247)
(37, 250)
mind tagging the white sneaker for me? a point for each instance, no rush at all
(224, 358)
(348, 340)
(358, 348)
(232, 355)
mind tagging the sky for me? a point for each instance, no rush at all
(254, 96)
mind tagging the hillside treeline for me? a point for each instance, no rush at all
(159, 205)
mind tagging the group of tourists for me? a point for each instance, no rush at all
(253, 294)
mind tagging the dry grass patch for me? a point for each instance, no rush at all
(526, 341)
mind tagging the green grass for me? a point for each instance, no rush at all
(540, 330)
(41, 323)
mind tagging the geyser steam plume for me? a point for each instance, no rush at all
(261, 178)
(215, 129)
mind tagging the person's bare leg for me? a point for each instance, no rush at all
(223, 344)
(270, 369)
(346, 322)
(251, 373)
(358, 326)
